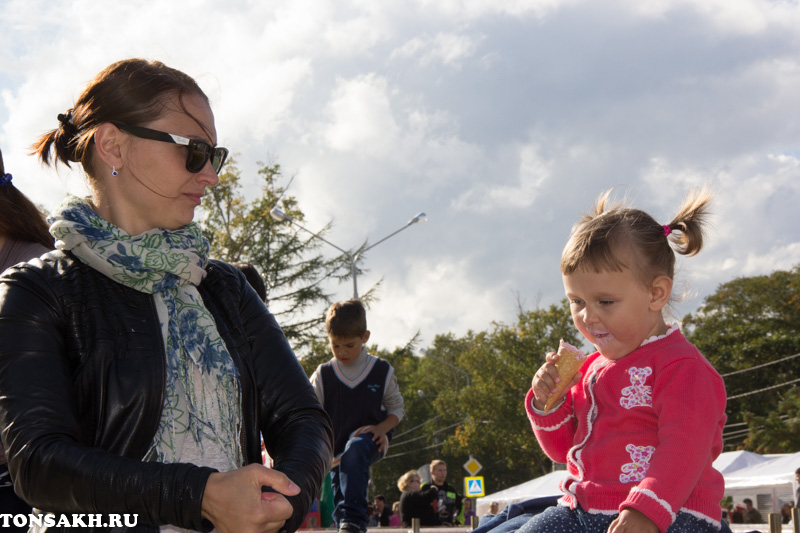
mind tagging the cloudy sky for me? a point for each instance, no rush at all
(501, 119)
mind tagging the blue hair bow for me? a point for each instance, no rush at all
(5, 179)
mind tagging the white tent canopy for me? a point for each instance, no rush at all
(731, 461)
(769, 484)
(546, 485)
(767, 480)
(778, 470)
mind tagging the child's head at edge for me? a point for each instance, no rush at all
(346, 326)
(618, 253)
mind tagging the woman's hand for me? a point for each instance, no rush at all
(545, 380)
(234, 503)
(632, 521)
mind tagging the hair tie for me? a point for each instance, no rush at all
(67, 125)
(667, 230)
(5, 179)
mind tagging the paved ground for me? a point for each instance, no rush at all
(457, 529)
(736, 528)
(762, 528)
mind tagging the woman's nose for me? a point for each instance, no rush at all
(207, 175)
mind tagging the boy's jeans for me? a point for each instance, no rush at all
(349, 480)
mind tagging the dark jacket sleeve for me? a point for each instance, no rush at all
(297, 432)
(51, 459)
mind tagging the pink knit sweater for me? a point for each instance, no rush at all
(641, 432)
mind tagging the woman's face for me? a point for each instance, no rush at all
(413, 484)
(153, 188)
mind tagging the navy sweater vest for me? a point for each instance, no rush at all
(352, 406)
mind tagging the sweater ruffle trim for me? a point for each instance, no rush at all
(672, 329)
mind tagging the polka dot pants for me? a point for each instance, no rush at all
(560, 519)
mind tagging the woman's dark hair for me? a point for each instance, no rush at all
(19, 217)
(131, 91)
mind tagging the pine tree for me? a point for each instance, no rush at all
(241, 230)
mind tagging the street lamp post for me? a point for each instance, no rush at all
(426, 353)
(280, 216)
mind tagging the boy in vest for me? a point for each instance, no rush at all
(360, 393)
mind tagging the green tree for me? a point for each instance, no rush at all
(747, 329)
(779, 431)
(503, 361)
(293, 271)
(486, 418)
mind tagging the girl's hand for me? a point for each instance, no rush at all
(632, 521)
(234, 503)
(545, 380)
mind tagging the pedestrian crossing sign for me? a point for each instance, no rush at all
(473, 487)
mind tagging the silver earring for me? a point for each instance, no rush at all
(114, 170)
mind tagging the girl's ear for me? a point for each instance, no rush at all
(660, 291)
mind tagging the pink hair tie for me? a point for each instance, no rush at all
(667, 230)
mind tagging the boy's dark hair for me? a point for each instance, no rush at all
(346, 320)
(253, 278)
(381, 497)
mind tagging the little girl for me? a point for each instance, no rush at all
(642, 422)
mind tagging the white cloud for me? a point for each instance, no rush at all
(436, 296)
(747, 17)
(755, 215)
(448, 49)
(270, 90)
(501, 120)
(777, 258)
(361, 118)
(474, 9)
(491, 194)
(357, 34)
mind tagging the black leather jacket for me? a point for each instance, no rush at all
(82, 377)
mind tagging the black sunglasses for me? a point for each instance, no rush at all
(199, 151)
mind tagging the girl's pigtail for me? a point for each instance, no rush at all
(687, 228)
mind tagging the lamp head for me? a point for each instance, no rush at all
(279, 215)
(419, 217)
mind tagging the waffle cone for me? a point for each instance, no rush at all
(570, 360)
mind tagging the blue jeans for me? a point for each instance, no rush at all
(350, 478)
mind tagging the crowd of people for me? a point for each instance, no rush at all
(747, 513)
(435, 503)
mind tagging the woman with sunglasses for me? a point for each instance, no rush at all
(136, 375)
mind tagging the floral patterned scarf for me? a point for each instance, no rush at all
(201, 416)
